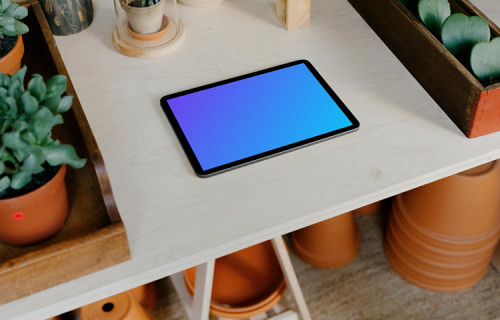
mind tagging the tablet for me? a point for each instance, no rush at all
(238, 121)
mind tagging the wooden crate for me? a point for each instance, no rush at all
(93, 237)
(474, 108)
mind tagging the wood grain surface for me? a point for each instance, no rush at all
(175, 220)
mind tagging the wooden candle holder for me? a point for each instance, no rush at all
(473, 107)
(293, 14)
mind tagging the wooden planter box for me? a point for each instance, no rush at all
(93, 237)
(474, 108)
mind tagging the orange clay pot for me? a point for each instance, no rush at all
(246, 283)
(463, 205)
(146, 295)
(370, 209)
(122, 306)
(11, 62)
(331, 243)
(37, 215)
(436, 242)
(429, 280)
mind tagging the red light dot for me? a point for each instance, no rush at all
(18, 215)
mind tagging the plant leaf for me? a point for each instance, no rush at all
(20, 179)
(20, 12)
(37, 87)
(32, 164)
(19, 75)
(433, 13)
(56, 85)
(64, 153)
(43, 122)
(13, 141)
(65, 104)
(2, 167)
(485, 59)
(4, 183)
(30, 104)
(21, 28)
(5, 4)
(460, 33)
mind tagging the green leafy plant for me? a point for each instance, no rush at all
(467, 38)
(10, 14)
(27, 118)
(143, 3)
(484, 59)
(460, 33)
(433, 13)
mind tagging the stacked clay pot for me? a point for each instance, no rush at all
(135, 304)
(330, 243)
(370, 209)
(245, 283)
(442, 236)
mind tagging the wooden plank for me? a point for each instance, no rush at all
(293, 14)
(93, 237)
(449, 83)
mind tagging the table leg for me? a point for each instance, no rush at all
(203, 290)
(291, 278)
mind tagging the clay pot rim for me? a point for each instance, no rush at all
(17, 50)
(127, 8)
(465, 175)
(453, 240)
(440, 288)
(61, 171)
(426, 273)
(251, 309)
(165, 26)
(393, 237)
(437, 245)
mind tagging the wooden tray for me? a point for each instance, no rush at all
(94, 236)
(474, 108)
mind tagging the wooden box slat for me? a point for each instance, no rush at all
(475, 109)
(94, 236)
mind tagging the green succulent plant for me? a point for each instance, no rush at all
(467, 38)
(10, 14)
(27, 118)
(143, 3)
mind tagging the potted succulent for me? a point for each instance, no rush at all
(145, 17)
(11, 42)
(33, 200)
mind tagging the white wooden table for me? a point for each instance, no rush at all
(175, 220)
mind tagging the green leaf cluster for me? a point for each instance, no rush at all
(467, 38)
(10, 14)
(27, 117)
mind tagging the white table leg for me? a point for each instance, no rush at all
(203, 290)
(291, 279)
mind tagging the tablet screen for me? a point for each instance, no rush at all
(240, 120)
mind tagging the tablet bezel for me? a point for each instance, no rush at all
(267, 154)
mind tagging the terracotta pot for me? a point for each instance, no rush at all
(246, 283)
(11, 62)
(370, 209)
(417, 260)
(119, 307)
(434, 251)
(463, 205)
(37, 215)
(331, 243)
(429, 280)
(437, 243)
(146, 295)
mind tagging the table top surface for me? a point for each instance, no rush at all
(174, 219)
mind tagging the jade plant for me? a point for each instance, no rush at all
(10, 14)
(467, 38)
(27, 117)
(143, 3)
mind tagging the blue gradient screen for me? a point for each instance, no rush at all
(236, 120)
